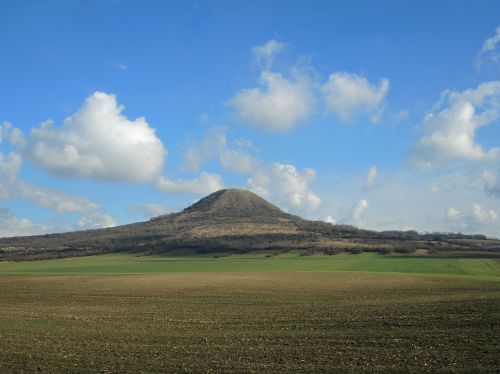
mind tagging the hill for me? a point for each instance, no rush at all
(234, 220)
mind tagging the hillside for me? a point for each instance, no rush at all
(233, 220)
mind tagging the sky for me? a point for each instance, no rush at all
(383, 115)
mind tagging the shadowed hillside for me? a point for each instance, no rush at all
(231, 221)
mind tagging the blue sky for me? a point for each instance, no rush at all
(383, 115)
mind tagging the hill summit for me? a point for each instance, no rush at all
(236, 203)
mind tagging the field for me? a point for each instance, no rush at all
(477, 265)
(290, 313)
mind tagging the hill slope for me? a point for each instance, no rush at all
(231, 220)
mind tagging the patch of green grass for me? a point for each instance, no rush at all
(248, 322)
(486, 268)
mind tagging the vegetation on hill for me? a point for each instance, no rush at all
(235, 221)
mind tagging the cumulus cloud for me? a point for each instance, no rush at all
(283, 100)
(490, 52)
(264, 54)
(148, 210)
(330, 219)
(354, 214)
(10, 225)
(349, 95)
(358, 210)
(279, 105)
(450, 133)
(286, 186)
(204, 184)
(215, 145)
(491, 183)
(98, 142)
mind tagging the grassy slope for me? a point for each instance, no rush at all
(486, 268)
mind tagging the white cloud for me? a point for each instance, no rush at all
(204, 184)
(215, 145)
(358, 210)
(57, 201)
(10, 225)
(489, 52)
(450, 133)
(330, 219)
(454, 214)
(13, 187)
(284, 100)
(481, 215)
(286, 186)
(349, 95)
(279, 106)
(149, 210)
(264, 54)
(490, 44)
(475, 219)
(16, 138)
(95, 220)
(405, 201)
(237, 161)
(98, 142)
(371, 177)
(283, 184)
(9, 167)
